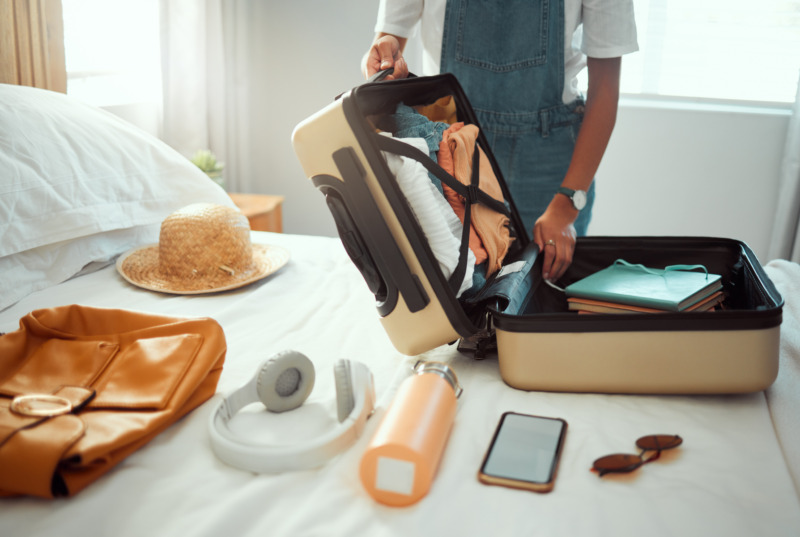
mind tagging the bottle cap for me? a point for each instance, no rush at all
(441, 369)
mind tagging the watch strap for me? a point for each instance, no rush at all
(570, 193)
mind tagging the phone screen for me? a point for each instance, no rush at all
(524, 452)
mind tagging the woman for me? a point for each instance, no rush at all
(518, 62)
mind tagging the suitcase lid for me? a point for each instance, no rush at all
(380, 98)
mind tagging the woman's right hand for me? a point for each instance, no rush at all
(386, 51)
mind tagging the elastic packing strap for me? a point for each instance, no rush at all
(656, 272)
(461, 267)
(660, 272)
(471, 193)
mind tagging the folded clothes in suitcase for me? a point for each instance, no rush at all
(541, 345)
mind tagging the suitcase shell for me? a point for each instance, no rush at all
(540, 344)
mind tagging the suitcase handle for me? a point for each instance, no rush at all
(380, 75)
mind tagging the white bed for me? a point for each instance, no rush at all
(737, 473)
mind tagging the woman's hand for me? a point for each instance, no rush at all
(554, 233)
(386, 51)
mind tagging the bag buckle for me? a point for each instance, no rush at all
(41, 405)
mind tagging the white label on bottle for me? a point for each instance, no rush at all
(395, 476)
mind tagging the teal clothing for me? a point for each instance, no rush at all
(408, 123)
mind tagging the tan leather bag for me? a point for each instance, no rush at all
(82, 388)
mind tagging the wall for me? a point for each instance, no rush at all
(685, 169)
(671, 168)
(311, 52)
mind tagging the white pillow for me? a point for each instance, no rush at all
(78, 185)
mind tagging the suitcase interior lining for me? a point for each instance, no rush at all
(751, 300)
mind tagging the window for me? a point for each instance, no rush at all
(740, 50)
(112, 51)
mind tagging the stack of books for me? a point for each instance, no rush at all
(626, 288)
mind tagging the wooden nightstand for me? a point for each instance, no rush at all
(263, 211)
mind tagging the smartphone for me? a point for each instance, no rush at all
(524, 452)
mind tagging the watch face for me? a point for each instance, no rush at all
(579, 199)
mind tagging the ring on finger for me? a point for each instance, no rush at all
(550, 242)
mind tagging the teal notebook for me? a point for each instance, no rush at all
(673, 288)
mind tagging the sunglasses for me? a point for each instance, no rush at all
(623, 462)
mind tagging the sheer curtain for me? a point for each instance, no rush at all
(785, 243)
(205, 67)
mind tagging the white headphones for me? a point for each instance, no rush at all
(283, 383)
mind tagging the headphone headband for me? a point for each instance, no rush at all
(356, 400)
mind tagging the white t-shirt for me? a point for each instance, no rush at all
(596, 28)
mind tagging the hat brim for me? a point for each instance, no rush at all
(140, 267)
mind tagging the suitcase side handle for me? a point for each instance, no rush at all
(388, 260)
(354, 245)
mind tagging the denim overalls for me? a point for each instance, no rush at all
(509, 57)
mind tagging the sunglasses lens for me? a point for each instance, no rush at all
(659, 442)
(620, 462)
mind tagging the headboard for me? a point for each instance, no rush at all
(32, 44)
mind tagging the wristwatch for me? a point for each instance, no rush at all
(578, 197)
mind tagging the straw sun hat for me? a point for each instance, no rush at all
(202, 248)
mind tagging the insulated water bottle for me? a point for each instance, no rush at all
(401, 460)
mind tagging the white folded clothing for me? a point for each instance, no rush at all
(440, 224)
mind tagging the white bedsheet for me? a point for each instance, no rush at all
(783, 397)
(729, 478)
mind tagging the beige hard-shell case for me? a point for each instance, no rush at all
(541, 345)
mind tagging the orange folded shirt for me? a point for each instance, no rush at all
(445, 159)
(489, 234)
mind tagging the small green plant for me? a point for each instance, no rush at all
(207, 162)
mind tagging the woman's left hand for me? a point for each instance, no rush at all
(554, 233)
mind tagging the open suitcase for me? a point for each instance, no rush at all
(540, 344)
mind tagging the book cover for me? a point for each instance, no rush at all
(662, 289)
(596, 306)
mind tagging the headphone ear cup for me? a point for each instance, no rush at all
(345, 398)
(285, 381)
